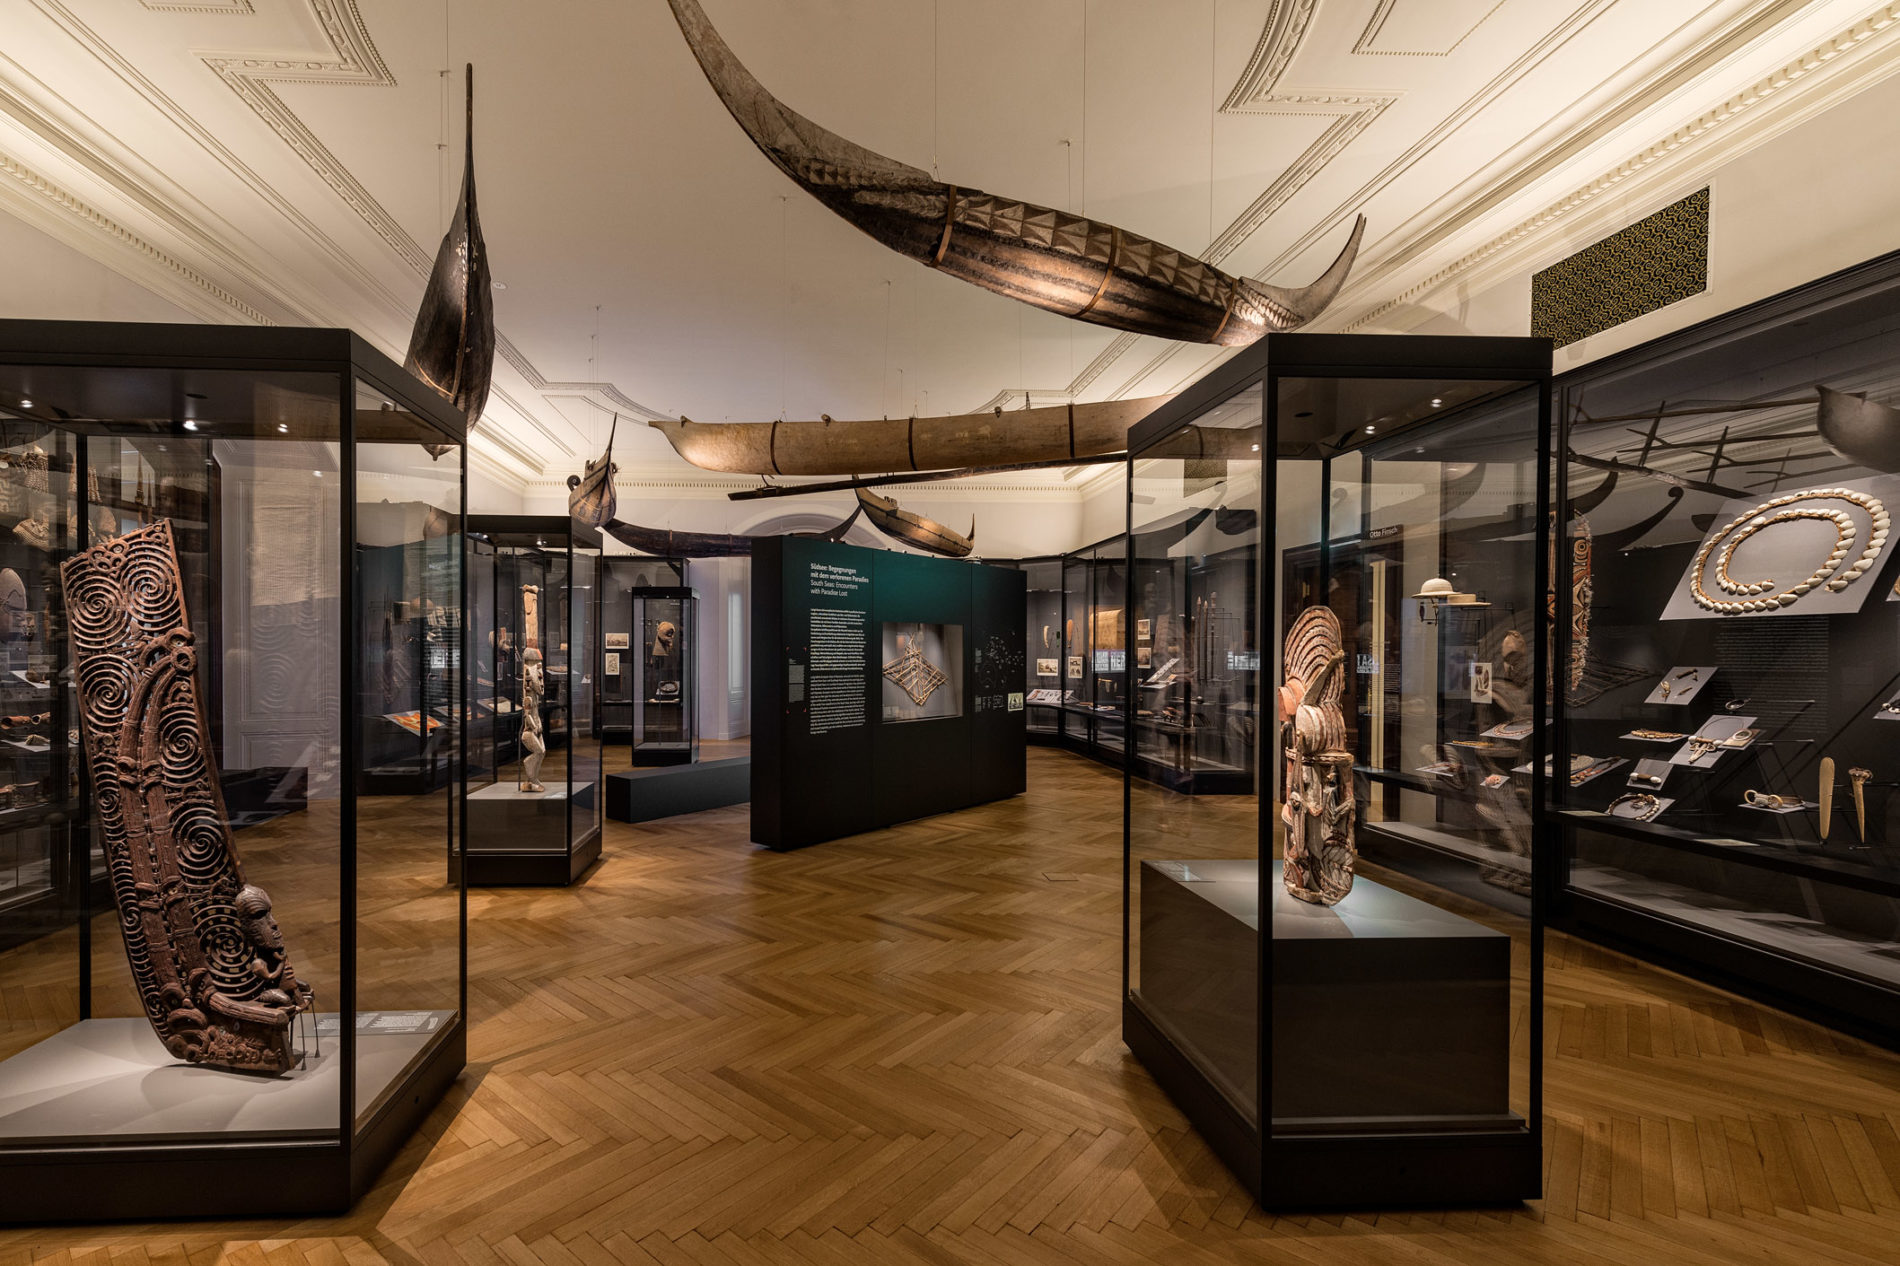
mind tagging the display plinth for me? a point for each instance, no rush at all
(1384, 1006)
(646, 795)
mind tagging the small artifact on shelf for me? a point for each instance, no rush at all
(37, 530)
(1774, 803)
(1641, 806)
(1656, 736)
(1681, 684)
(206, 954)
(534, 746)
(1857, 777)
(1827, 794)
(1494, 781)
(1319, 796)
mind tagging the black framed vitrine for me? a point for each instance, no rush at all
(258, 491)
(1044, 682)
(534, 794)
(1729, 643)
(1094, 638)
(1347, 1025)
(620, 575)
(664, 669)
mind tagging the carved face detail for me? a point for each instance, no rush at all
(260, 928)
(664, 637)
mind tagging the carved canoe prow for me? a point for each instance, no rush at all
(1053, 259)
(591, 494)
(914, 529)
(452, 347)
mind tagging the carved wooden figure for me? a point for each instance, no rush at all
(206, 953)
(1319, 801)
(534, 746)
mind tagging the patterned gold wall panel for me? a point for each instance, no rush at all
(1649, 265)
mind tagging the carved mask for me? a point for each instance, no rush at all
(663, 638)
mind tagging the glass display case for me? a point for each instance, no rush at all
(620, 575)
(1095, 650)
(1043, 683)
(662, 668)
(1733, 690)
(534, 798)
(246, 497)
(1344, 1031)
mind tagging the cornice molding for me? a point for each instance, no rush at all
(228, 7)
(24, 178)
(1715, 120)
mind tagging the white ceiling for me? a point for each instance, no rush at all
(295, 161)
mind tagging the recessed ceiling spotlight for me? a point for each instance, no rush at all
(283, 428)
(1371, 430)
(1437, 402)
(501, 285)
(1256, 448)
(190, 425)
(317, 473)
(26, 404)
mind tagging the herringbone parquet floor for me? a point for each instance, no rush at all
(903, 1048)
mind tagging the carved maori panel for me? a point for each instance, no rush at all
(207, 956)
(1319, 802)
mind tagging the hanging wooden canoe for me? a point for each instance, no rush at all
(666, 543)
(1052, 434)
(452, 347)
(1860, 429)
(914, 529)
(590, 495)
(1052, 259)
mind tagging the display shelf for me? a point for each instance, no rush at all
(1737, 411)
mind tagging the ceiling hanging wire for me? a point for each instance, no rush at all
(884, 383)
(1213, 110)
(785, 312)
(936, 74)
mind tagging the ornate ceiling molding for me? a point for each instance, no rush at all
(1280, 38)
(23, 178)
(1715, 120)
(1369, 36)
(228, 7)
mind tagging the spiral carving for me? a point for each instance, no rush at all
(205, 952)
(1318, 812)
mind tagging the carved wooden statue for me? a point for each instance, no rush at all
(206, 953)
(534, 746)
(1319, 802)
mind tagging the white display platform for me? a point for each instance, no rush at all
(111, 1080)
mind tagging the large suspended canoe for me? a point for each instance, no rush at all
(452, 347)
(666, 543)
(1058, 261)
(1051, 434)
(590, 496)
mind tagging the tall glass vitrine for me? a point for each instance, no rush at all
(534, 798)
(663, 669)
(1344, 1023)
(238, 506)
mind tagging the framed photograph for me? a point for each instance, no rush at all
(619, 641)
(1481, 681)
(610, 663)
(1144, 656)
(1143, 630)
(1075, 668)
(1047, 668)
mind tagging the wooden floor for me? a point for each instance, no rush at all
(904, 1048)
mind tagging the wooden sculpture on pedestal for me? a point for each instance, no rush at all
(205, 951)
(1319, 802)
(534, 745)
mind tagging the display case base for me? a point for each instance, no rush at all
(130, 1133)
(531, 868)
(645, 795)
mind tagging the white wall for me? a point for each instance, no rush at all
(47, 280)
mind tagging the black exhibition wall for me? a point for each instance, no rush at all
(840, 745)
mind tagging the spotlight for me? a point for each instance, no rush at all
(1437, 402)
(283, 428)
(1371, 430)
(26, 404)
(190, 425)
